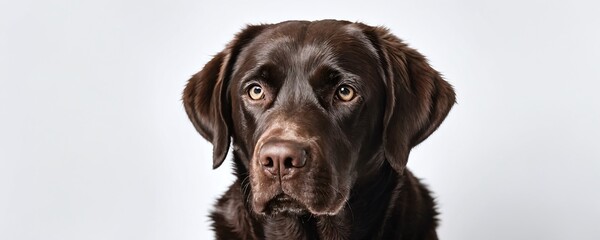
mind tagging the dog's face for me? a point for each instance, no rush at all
(301, 99)
(312, 107)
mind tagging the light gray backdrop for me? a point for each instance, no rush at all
(95, 144)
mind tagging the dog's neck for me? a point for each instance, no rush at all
(370, 200)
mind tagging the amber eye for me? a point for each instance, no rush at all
(345, 93)
(256, 92)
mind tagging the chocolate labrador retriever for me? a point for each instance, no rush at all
(322, 116)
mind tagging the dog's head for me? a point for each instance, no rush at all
(313, 106)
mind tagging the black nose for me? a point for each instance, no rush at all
(282, 157)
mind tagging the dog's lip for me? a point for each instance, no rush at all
(283, 203)
(283, 197)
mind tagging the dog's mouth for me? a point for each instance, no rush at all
(283, 203)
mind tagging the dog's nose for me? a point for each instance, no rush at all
(282, 157)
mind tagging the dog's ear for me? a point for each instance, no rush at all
(206, 97)
(417, 98)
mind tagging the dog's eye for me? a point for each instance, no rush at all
(256, 92)
(345, 93)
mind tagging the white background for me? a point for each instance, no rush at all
(95, 144)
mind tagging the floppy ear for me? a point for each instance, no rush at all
(206, 99)
(417, 98)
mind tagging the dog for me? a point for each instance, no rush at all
(321, 116)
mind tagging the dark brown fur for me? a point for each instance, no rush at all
(309, 165)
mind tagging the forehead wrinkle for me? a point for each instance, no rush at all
(274, 48)
(297, 61)
(297, 57)
(311, 56)
(264, 50)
